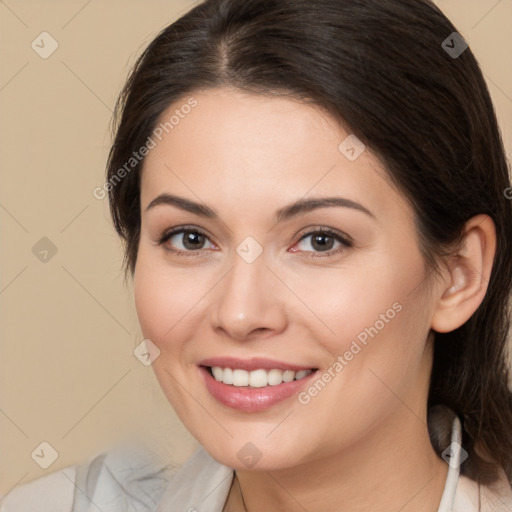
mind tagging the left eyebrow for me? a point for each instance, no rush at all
(307, 205)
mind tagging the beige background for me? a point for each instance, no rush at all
(68, 325)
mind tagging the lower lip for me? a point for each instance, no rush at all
(245, 398)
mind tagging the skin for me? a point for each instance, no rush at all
(362, 442)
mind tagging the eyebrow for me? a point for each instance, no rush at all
(185, 204)
(299, 207)
(306, 205)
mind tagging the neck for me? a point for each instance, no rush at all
(394, 468)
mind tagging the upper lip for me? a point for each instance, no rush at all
(255, 363)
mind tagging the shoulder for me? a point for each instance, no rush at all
(51, 493)
(472, 498)
(123, 478)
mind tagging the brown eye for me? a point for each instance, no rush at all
(191, 240)
(323, 241)
(184, 240)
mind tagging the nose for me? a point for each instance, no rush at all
(248, 302)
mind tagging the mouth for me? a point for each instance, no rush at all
(257, 378)
(255, 385)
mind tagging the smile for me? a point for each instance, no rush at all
(253, 385)
(257, 378)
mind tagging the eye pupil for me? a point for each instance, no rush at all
(193, 241)
(322, 242)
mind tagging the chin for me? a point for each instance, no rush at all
(248, 456)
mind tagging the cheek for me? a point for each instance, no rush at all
(377, 369)
(162, 303)
(362, 300)
(379, 351)
(163, 299)
(378, 322)
(153, 304)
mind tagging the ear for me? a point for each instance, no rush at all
(468, 275)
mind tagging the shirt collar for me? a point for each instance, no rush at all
(453, 455)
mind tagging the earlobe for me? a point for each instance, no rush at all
(468, 275)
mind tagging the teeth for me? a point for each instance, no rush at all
(227, 376)
(218, 373)
(240, 378)
(288, 375)
(256, 378)
(274, 377)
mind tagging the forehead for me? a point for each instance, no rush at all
(232, 145)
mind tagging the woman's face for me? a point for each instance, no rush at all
(265, 297)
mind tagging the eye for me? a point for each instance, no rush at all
(184, 240)
(323, 241)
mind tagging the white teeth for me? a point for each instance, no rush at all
(288, 375)
(217, 373)
(257, 378)
(274, 377)
(227, 376)
(240, 378)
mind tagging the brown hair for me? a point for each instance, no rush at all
(379, 66)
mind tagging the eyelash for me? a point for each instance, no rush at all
(345, 241)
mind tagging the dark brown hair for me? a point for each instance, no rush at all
(379, 67)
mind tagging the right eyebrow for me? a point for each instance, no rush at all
(180, 202)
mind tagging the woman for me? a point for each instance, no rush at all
(313, 200)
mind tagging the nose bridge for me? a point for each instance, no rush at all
(247, 298)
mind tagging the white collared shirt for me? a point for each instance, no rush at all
(137, 482)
